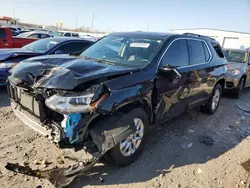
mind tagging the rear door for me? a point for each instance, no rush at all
(4, 43)
(198, 70)
(172, 91)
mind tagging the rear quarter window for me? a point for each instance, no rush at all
(218, 49)
(2, 34)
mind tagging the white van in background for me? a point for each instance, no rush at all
(66, 34)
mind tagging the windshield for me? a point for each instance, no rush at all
(233, 56)
(42, 45)
(124, 51)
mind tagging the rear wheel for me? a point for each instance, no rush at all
(214, 101)
(129, 149)
(237, 92)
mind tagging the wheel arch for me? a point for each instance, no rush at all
(222, 82)
(143, 103)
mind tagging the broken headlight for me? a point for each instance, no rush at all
(70, 104)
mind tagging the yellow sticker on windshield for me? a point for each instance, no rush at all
(139, 45)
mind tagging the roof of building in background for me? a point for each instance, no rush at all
(209, 29)
(8, 18)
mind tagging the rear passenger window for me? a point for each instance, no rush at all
(75, 35)
(44, 36)
(196, 52)
(34, 36)
(67, 35)
(177, 54)
(218, 50)
(2, 33)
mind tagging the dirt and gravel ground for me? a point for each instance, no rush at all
(175, 155)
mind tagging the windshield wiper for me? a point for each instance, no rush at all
(98, 60)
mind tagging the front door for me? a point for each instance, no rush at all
(173, 90)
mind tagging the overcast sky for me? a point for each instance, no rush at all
(128, 15)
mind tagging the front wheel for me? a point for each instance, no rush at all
(129, 149)
(214, 101)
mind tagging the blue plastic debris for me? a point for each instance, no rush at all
(69, 123)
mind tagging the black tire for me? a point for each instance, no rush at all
(115, 153)
(209, 108)
(237, 91)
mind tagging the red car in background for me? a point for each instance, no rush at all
(8, 41)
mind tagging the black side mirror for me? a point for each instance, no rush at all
(172, 71)
(165, 68)
(58, 52)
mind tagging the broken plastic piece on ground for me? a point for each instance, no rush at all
(59, 177)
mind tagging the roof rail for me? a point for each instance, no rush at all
(198, 35)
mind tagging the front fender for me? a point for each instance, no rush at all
(120, 98)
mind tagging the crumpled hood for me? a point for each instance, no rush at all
(14, 52)
(64, 71)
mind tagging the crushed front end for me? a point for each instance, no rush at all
(66, 98)
(62, 116)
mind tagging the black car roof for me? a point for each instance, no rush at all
(158, 35)
(143, 34)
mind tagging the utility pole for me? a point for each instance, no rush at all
(76, 23)
(93, 18)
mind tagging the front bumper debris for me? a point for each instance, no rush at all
(59, 177)
(53, 131)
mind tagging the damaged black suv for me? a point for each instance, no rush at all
(105, 99)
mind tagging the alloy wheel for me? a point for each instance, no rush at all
(216, 99)
(129, 145)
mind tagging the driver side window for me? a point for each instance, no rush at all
(177, 54)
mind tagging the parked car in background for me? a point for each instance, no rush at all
(106, 98)
(23, 31)
(66, 34)
(8, 41)
(35, 34)
(48, 46)
(238, 75)
(88, 37)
